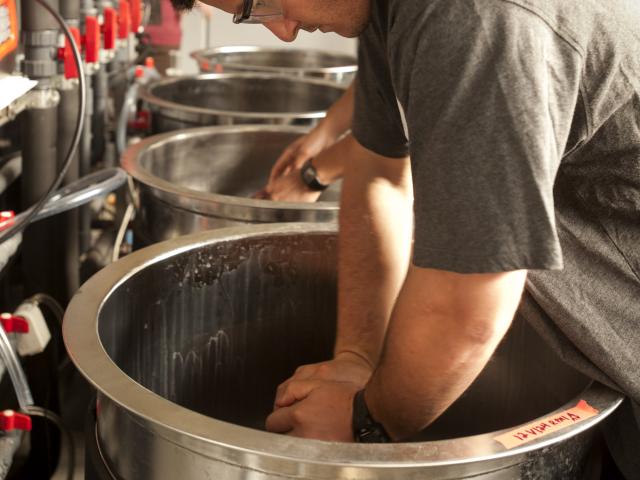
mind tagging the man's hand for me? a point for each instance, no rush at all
(288, 188)
(303, 149)
(345, 367)
(324, 413)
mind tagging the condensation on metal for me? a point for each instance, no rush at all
(190, 338)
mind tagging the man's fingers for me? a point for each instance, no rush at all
(280, 421)
(293, 391)
(284, 161)
(262, 195)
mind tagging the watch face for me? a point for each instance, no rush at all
(310, 177)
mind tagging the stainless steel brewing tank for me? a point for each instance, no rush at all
(187, 340)
(237, 99)
(336, 67)
(204, 178)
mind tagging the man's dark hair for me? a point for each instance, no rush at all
(183, 5)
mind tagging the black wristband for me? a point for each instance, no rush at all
(365, 428)
(309, 176)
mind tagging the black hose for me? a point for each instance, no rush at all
(58, 422)
(20, 226)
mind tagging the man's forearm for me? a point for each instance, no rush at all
(375, 243)
(443, 331)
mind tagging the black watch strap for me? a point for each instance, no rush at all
(365, 428)
(309, 176)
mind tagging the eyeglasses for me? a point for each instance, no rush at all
(258, 11)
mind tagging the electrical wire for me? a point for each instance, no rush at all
(51, 303)
(64, 431)
(126, 218)
(82, 92)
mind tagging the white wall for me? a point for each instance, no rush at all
(224, 32)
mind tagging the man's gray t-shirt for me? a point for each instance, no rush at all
(523, 121)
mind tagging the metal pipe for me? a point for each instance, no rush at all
(36, 18)
(9, 172)
(87, 8)
(85, 166)
(99, 123)
(70, 10)
(66, 246)
(39, 168)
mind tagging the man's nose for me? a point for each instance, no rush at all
(285, 30)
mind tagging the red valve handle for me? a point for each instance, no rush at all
(6, 219)
(110, 28)
(136, 15)
(66, 55)
(124, 20)
(10, 420)
(14, 324)
(92, 40)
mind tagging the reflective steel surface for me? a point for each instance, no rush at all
(331, 66)
(237, 99)
(187, 340)
(204, 178)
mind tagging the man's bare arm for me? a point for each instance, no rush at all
(375, 242)
(444, 328)
(376, 226)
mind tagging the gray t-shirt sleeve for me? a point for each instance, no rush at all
(489, 109)
(377, 125)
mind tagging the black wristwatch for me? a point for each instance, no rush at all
(365, 428)
(310, 177)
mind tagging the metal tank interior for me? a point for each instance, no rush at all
(336, 67)
(204, 178)
(184, 341)
(237, 98)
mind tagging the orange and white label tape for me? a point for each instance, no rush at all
(534, 431)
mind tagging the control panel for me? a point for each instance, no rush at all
(8, 27)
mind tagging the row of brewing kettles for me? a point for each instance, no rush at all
(75, 70)
(65, 66)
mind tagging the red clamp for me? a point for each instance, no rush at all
(6, 219)
(66, 54)
(14, 324)
(136, 15)
(124, 20)
(92, 40)
(10, 421)
(110, 28)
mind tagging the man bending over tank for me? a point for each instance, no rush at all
(503, 139)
